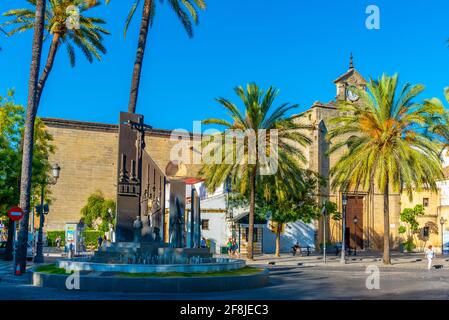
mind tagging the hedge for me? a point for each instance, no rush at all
(52, 235)
(90, 237)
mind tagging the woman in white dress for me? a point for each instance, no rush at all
(430, 255)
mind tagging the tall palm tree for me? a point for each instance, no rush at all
(260, 119)
(27, 156)
(185, 10)
(87, 37)
(387, 146)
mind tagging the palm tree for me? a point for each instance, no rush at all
(387, 146)
(185, 10)
(439, 124)
(25, 182)
(263, 122)
(4, 32)
(88, 36)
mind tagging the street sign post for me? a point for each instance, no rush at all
(15, 214)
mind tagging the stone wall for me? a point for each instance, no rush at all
(87, 155)
(430, 219)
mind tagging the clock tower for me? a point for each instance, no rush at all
(352, 78)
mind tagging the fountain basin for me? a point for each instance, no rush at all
(220, 264)
(99, 282)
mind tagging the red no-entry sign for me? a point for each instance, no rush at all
(15, 214)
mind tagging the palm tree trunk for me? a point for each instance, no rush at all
(48, 67)
(25, 185)
(144, 28)
(278, 240)
(386, 256)
(252, 206)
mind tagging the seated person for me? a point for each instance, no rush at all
(296, 248)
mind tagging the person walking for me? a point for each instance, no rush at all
(58, 242)
(235, 247)
(430, 255)
(100, 241)
(229, 246)
(71, 249)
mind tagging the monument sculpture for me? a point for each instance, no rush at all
(140, 227)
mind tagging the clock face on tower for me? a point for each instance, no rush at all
(351, 96)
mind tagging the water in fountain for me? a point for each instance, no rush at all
(148, 259)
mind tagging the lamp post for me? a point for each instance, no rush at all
(442, 222)
(324, 213)
(39, 258)
(343, 245)
(355, 220)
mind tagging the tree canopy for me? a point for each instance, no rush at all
(99, 212)
(12, 118)
(388, 148)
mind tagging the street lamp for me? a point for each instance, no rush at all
(324, 213)
(442, 222)
(355, 234)
(43, 210)
(343, 245)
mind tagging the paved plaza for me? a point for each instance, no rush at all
(407, 278)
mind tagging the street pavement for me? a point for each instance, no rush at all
(7, 273)
(406, 278)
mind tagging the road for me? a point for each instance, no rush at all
(309, 282)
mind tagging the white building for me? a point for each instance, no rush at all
(219, 224)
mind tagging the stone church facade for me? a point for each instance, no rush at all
(87, 155)
(367, 208)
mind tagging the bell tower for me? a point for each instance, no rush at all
(344, 83)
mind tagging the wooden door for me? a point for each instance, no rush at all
(354, 209)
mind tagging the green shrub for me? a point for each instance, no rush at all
(98, 207)
(52, 235)
(409, 246)
(91, 237)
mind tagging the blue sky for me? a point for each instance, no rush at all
(299, 46)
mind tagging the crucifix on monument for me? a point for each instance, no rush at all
(140, 185)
